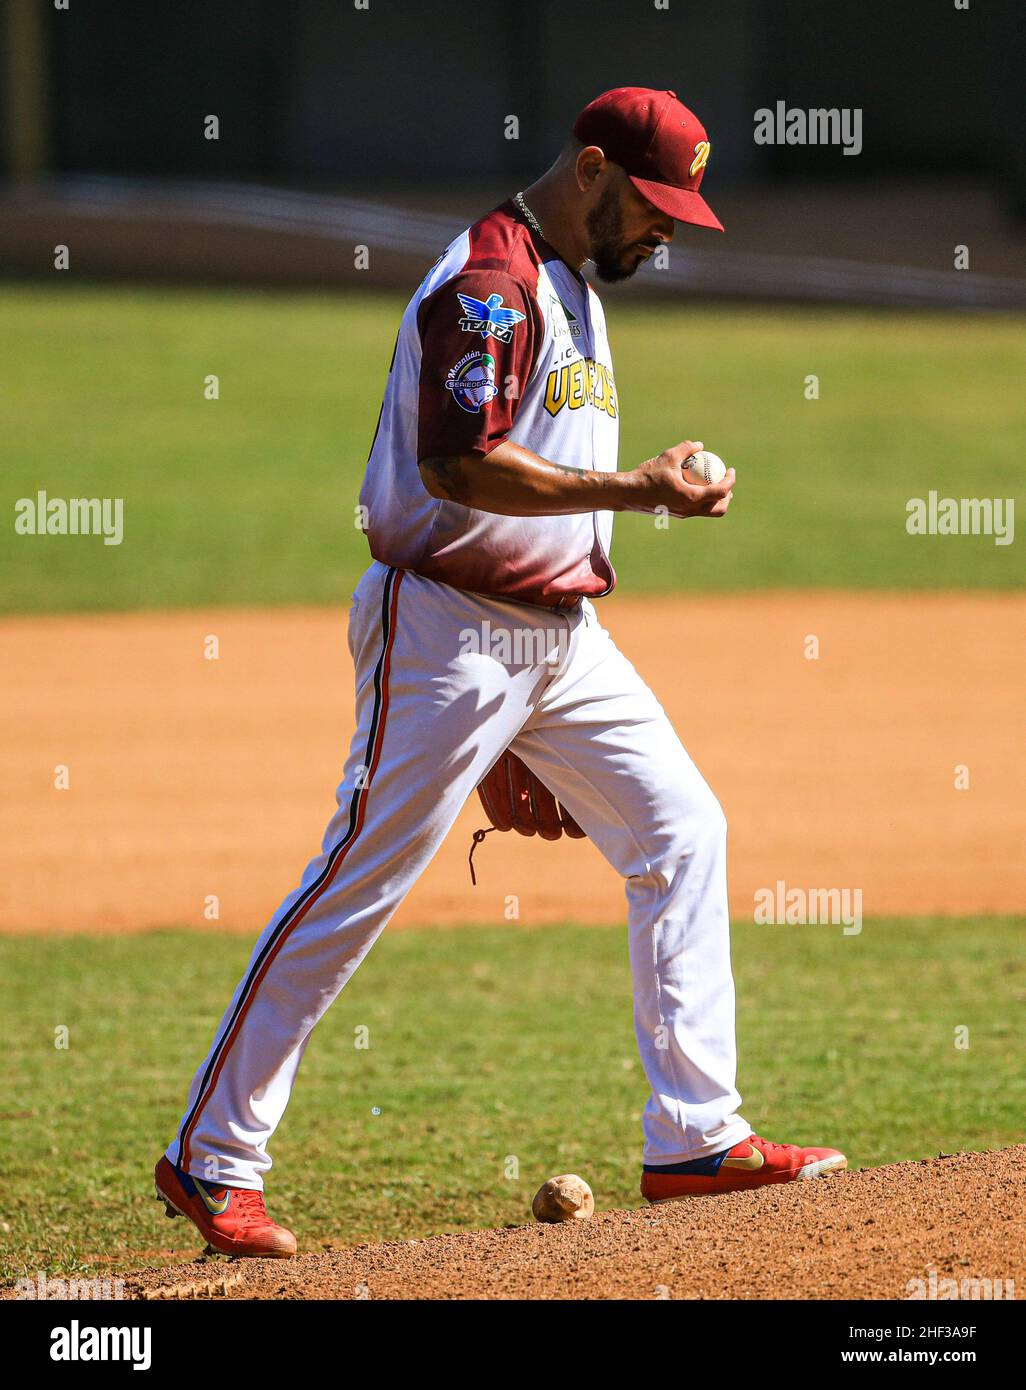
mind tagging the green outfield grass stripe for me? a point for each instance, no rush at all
(250, 498)
(496, 1057)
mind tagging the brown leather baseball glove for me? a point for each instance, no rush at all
(514, 799)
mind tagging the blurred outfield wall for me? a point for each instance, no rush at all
(395, 123)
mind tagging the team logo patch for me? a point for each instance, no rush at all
(558, 311)
(701, 158)
(472, 381)
(489, 317)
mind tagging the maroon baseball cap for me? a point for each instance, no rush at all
(660, 145)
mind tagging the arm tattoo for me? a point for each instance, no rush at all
(449, 478)
(600, 478)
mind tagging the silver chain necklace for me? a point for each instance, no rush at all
(529, 216)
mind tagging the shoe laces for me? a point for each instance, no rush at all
(769, 1144)
(248, 1207)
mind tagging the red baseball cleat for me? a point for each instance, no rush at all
(752, 1163)
(233, 1220)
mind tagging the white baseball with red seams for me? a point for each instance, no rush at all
(501, 341)
(706, 467)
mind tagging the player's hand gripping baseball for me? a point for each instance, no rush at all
(662, 482)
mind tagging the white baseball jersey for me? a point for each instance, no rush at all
(501, 341)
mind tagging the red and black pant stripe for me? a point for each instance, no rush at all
(299, 909)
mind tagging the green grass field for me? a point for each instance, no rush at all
(249, 499)
(484, 1043)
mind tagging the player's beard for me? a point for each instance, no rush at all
(605, 228)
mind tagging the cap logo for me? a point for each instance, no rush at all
(701, 158)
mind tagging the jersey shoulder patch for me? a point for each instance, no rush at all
(489, 317)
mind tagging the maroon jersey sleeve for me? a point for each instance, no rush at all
(478, 336)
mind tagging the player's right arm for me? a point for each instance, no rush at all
(513, 481)
(470, 388)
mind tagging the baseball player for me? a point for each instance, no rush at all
(490, 494)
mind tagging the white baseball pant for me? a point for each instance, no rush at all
(445, 681)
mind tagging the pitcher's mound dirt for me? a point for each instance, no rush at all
(894, 1232)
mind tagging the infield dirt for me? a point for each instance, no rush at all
(191, 778)
(897, 1232)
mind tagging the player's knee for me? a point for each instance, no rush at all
(712, 819)
(699, 821)
(697, 829)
